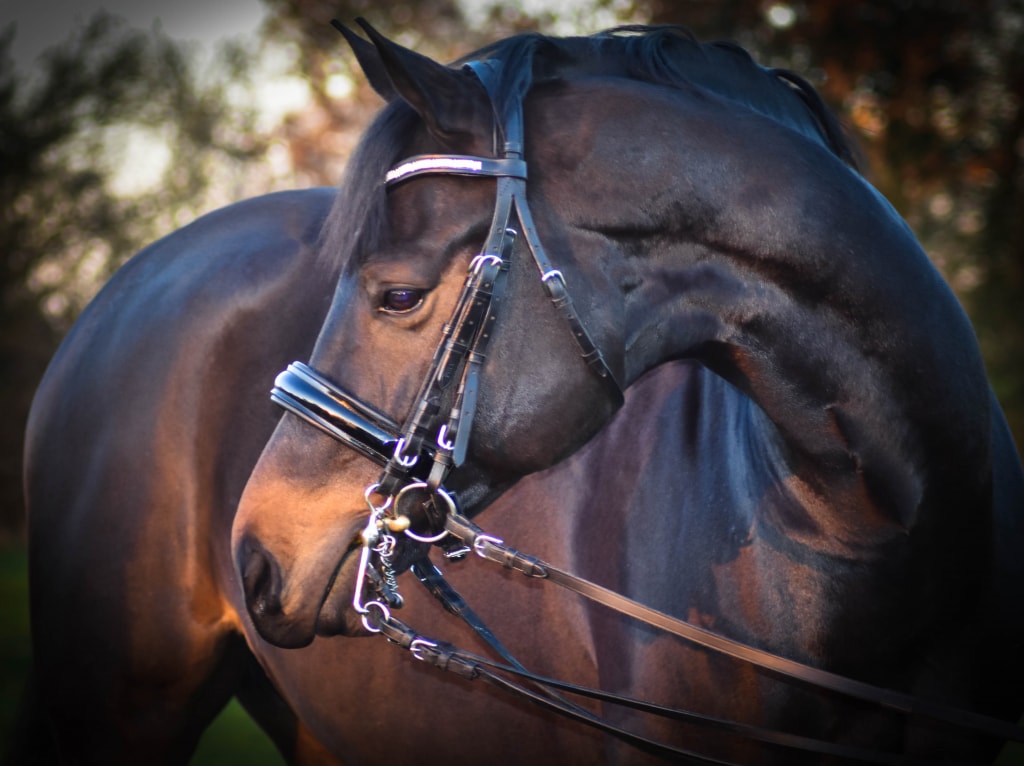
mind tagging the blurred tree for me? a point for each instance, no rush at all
(109, 144)
(322, 137)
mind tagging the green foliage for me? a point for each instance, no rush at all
(233, 738)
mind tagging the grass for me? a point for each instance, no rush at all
(15, 648)
(1012, 755)
(235, 739)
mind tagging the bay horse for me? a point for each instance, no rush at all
(735, 392)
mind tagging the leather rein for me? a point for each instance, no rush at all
(417, 459)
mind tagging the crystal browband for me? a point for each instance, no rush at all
(455, 164)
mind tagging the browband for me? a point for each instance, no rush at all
(455, 164)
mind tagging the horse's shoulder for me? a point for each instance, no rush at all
(248, 245)
(241, 266)
(252, 228)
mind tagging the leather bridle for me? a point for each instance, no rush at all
(419, 455)
(468, 332)
(434, 438)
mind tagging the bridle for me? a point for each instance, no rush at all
(418, 456)
(468, 332)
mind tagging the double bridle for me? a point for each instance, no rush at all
(418, 455)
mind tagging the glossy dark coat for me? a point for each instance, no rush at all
(809, 458)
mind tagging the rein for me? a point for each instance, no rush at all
(493, 549)
(469, 666)
(418, 455)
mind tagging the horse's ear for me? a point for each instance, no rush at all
(369, 61)
(446, 99)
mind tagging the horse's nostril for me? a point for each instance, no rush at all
(263, 582)
(261, 578)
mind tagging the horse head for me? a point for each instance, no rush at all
(407, 252)
(690, 201)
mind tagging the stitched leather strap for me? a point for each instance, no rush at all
(453, 602)
(446, 656)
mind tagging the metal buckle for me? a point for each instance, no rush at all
(404, 460)
(440, 491)
(480, 540)
(385, 615)
(418, 646)
(442, 439)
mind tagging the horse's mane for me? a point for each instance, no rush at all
(664, 55)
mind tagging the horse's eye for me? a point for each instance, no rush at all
(401, 300)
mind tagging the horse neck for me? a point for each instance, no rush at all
(813, 299)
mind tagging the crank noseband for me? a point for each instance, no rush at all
(303, 391)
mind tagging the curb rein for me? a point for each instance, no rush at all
(415, 459)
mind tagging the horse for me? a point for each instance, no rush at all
(142, 435)
(744, 398)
